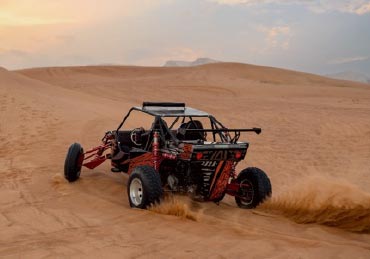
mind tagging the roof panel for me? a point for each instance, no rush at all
(173, 111)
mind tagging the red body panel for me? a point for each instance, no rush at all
(221, 179)
(145, 159)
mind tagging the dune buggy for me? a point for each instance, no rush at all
(176, 154)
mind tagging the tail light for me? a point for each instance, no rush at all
(238, 154)
(199, 156)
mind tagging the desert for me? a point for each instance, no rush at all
(315, 147)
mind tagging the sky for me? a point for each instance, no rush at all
(317, 36)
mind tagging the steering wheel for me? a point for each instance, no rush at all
(135, 135)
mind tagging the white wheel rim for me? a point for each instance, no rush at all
(136, 191)
(248, 194)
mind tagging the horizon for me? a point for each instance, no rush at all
(343, 75)
(319, 37)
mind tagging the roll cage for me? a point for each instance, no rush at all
(178, 111)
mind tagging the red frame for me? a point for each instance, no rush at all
(95, 157)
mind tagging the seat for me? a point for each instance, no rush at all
(183, 134)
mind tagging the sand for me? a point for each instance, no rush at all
(315, 147)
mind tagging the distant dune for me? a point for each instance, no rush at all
(197, 62)
(315, 146)
(220, 73)
(351, 76)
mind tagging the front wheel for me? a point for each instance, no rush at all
(144, 187)
(255, 187)
(73, 162)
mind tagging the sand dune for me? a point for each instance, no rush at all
(315, 147)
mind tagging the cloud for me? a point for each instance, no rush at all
(348, 60)
(68, 29)
(14, 20)
(359, 7)
(158, 57)
(277, 36)
(41, 12)
(362, 9)
(33, 13)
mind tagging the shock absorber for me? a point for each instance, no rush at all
(233, 171)
(155, 150)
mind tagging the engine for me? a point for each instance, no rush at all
(192, 178)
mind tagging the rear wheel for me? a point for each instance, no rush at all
(255, 187)
(144, 187)
(73, 162)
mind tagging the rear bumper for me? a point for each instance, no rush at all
(219, 152)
